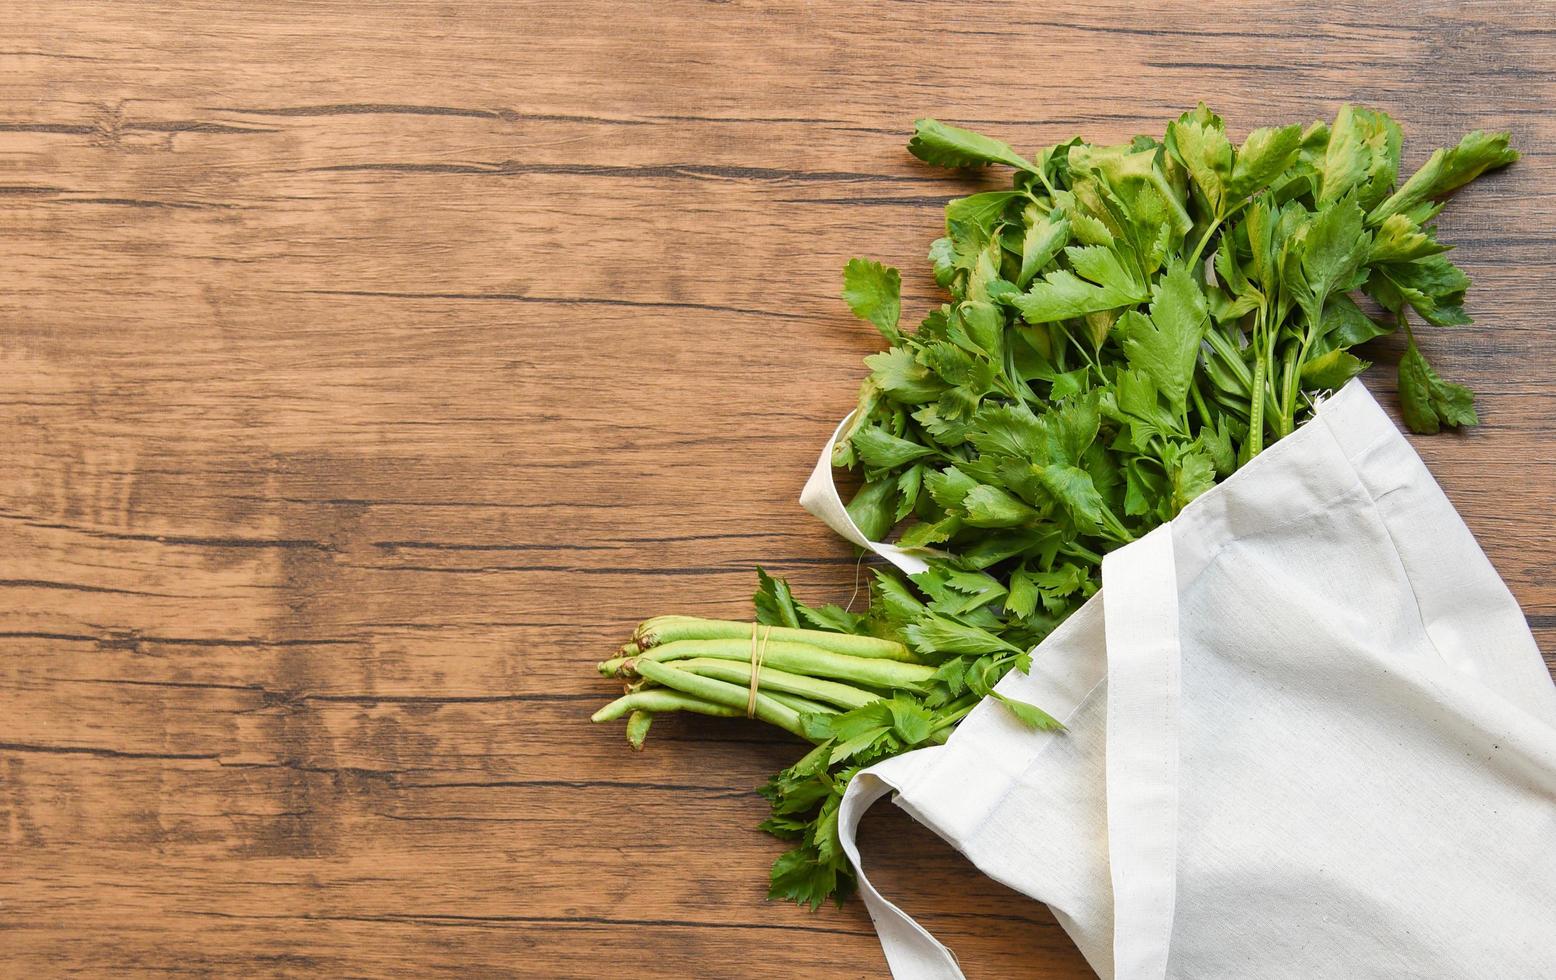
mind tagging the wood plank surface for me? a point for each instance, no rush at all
(368, 369)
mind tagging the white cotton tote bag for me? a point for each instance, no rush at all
(1308, 734)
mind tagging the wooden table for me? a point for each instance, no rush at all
(368, 369)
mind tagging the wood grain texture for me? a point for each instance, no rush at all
(367, 370)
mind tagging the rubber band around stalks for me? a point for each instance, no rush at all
(758, 654)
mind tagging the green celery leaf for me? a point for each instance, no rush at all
(1193, 472)
(909, 482)
(802, 877)
(948, 146)
(1229, 266)
(949, 487)
(1400, 239)
(957, 252)
(873, 508)
(981, 327)
(1136, 399)
(1129, 185)
(784, 828)
(775, 605)
(852, 724)
(1055, 586)
(1333, 248)
(956, 366)
(976, 588)
(939, 634)
(988, 506)
(1447, 170)
(1074, 490)
(1216, 441)
(1207, 155)
(1362, 157)
(1061, 295)
(896, 601)
(1433, 286)
(937, 420)
(944, 261)
(1070, 428)
(1085, 227)
(1259, 225)
(823, 831)
(1166, 345)
(995, 549)
(1346, 325)
(831, 619)
(1008, 430)
(1045, 235)
(1428, 401)
(953, 674)
(881, 450)
(1144, 488)
(1022, 600)
(1099, 325)
(1069, 384)
(980, 211)
(1331, 370)
(909, 719)
(1264, 155)
(864, 408)
(874, 292)
(1345, 160)
(924, 535)
(859, 744)
(982, 674)
(1030, 714)
(901, 376)
(1225, 310)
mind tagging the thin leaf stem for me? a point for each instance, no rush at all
(1256, 388)
(1215, 225)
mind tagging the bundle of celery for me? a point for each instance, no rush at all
(1127, 325)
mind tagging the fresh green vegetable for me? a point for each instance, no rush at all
(1125, 326)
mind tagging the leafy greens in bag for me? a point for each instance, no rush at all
(1126, 325)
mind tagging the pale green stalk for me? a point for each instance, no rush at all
(668, 629)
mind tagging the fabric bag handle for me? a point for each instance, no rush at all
(911, 952)
(1140, 620)
(820, 497)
